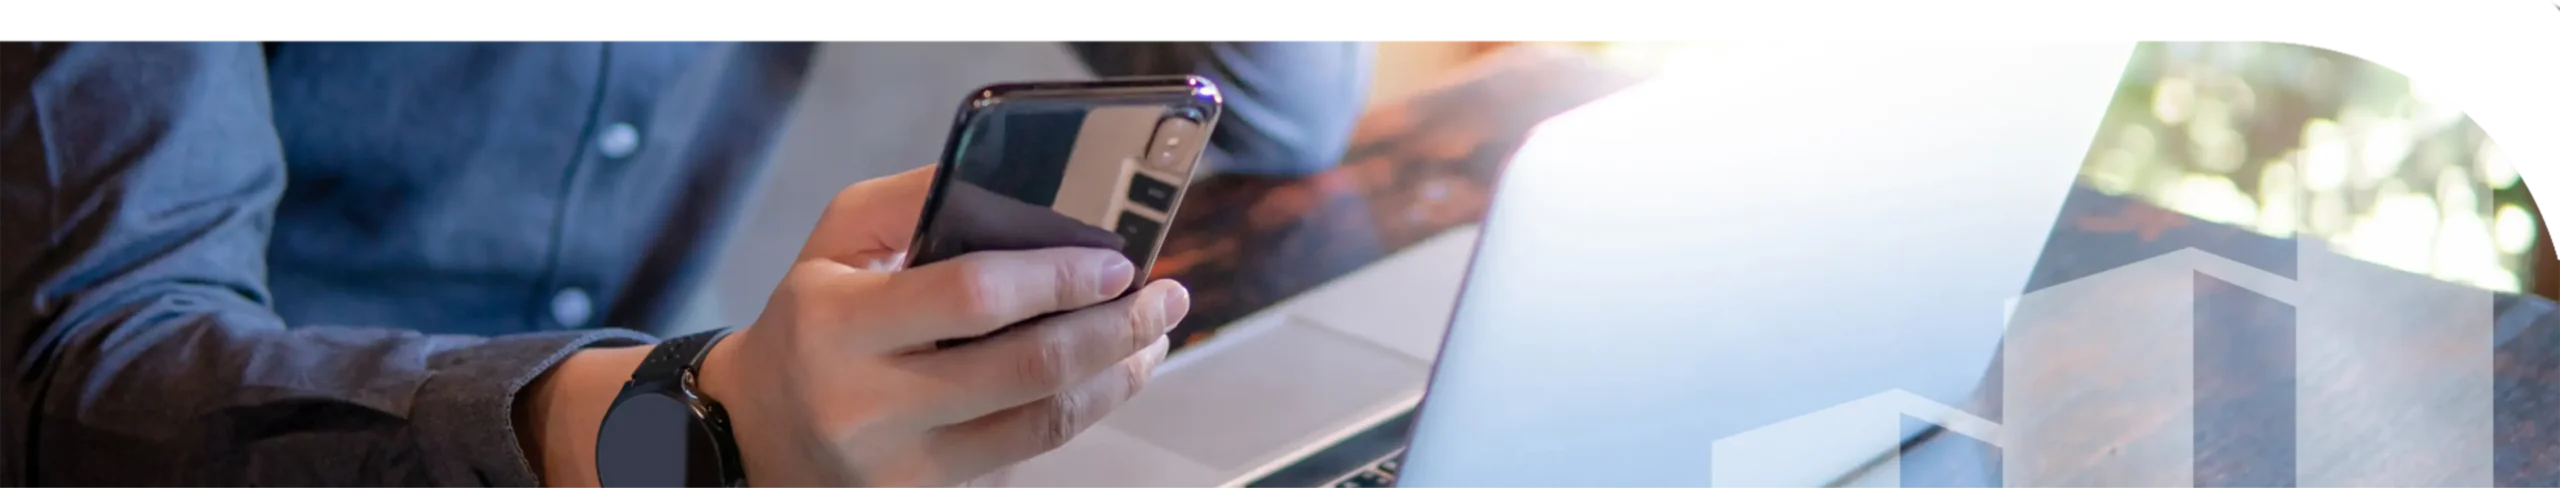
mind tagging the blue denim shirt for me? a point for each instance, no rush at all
(336, 264)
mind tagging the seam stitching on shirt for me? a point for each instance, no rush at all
(568, 186)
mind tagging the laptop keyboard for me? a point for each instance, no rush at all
(1369, 458)
(1380, 474)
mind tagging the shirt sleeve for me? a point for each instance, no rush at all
(137, 189)
(1291, 106)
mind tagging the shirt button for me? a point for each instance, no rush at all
(618, 141)
(570, 307)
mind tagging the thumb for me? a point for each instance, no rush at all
(870, 221)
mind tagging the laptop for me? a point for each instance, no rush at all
(1279, 385)
(1740, 273)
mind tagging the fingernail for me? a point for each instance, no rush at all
(1176, 303)
(1115, 276)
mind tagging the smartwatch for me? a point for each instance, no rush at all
(662, 431)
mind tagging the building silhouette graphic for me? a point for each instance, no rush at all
(2335, 344)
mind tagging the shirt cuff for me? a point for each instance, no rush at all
(467, 409)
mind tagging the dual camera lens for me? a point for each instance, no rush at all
(1173, 147)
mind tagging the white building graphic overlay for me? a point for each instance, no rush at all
(2393, 386)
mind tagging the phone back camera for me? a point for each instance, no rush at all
(1172, 148)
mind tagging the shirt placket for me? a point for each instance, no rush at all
(576, 288)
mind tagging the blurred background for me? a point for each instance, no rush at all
(2290, 140)
(2285, 140)
(2277, 138)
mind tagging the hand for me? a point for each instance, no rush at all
(837, 384)
(973, 219)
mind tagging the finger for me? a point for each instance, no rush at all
(871, 219)
(977, 294)
(1041, 359)
(1015, 434)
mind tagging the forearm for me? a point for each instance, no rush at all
(170, 392)
(558, 414)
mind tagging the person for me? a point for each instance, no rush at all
(432, 264)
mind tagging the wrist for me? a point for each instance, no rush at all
(558, 415)
(718, 377)
(725, 378)
(766, 421)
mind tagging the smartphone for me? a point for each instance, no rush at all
(1100, 164)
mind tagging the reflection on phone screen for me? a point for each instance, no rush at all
(1035, 175)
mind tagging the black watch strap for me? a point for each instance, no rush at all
(633, 447)
(672, 358)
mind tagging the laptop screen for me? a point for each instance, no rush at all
(1759, 236)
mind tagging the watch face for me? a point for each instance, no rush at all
(656, 440)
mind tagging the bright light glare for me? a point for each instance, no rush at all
(2280, 215)
(2400, 232)
(2213, 198)
(2456, 192)
(2218, 147)
(2324, 155)
(2465, 254)
(2516, 229)
(2328, 212)
(2386, 142)
(2171, 100)
(2114, 171)
(2495, 169)
(2429, 110)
